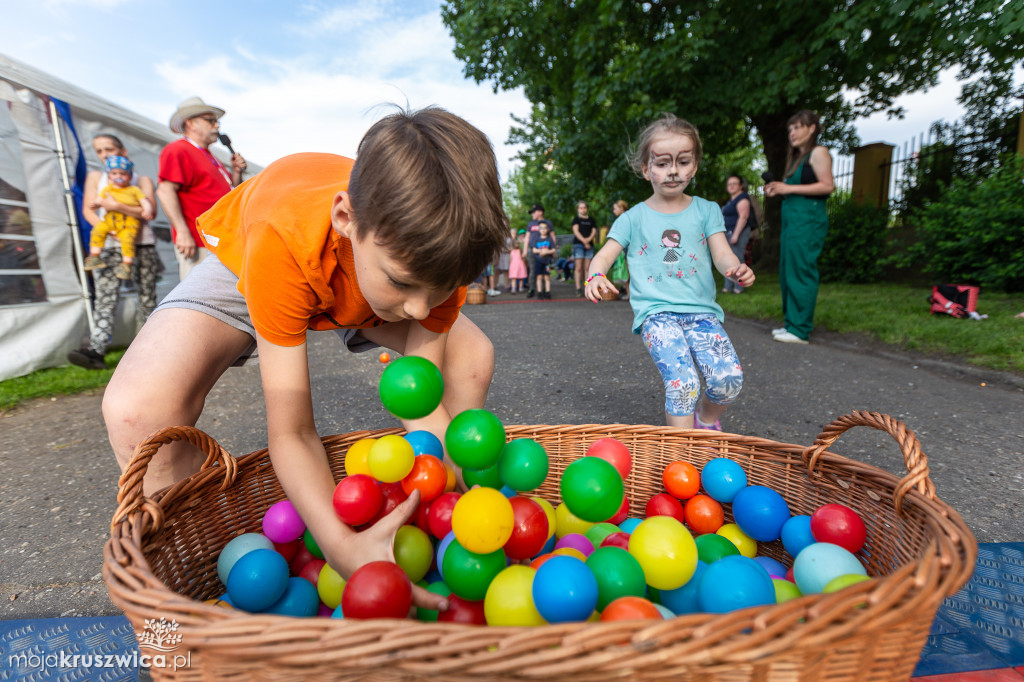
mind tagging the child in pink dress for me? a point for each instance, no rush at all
(516, 265)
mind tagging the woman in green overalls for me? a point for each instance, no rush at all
(806, 186)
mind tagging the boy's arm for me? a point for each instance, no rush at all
(300, 463)
(726, 261)
(602, 262)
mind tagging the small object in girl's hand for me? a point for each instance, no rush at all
(385, 358)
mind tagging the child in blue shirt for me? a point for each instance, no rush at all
(671, 241)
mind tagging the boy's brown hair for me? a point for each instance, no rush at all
(425, 187)
(668, 123)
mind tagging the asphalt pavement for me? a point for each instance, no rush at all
(565, 361)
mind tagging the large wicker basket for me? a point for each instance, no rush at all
(161, 563)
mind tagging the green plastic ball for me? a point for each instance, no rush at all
(413, 552)
(592, 489)
(311, 546)
(430, 615)
(411, 387)
(523, 464)
(470, 574)
(618, 574)
(475, 439)
(599, 531)
(485, 478)
(711, 547)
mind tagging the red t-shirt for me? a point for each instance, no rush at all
(203, 180)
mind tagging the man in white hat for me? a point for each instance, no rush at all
(192, 179)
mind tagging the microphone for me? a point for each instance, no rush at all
(766, 176)
(226, 141)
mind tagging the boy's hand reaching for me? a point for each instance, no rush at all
(742, 274)
(596, 286)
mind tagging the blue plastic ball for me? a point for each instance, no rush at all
(760, 512)
(735, 582)
(796, 534)
(722, 478)
(236, 549)
(564, 590)
(628, 525)
(684, 599)
(300, 599)
(549, 546)
(425, 443)
(337, 613)
(664, 611)
(257, 580)
(508, 492)
(441, 548)
(773, 566)
(819, 563)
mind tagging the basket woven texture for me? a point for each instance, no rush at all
(476, 294)
(161, 563)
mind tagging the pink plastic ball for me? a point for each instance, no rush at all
(282, 523)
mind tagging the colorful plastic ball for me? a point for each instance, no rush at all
(384, 358)
(311, 571)
(773, 566)
(299, 600)
(599, 531)
(338, 613)
(592, 489)
(474, 439)
(681, 480)
(430, 615)
(329, 586)
(236, 549)
(482, 520)
(666, 551)
(540, 559)
(428, 475)
(465, 611)
(357, 499)
(614, 452)
(630, 608)
(549, 546)
(485, 478)
(425, 443)
(449, 485)
(570, 551)
(529, 529)
(683, 600)
(629, 525)
(411, 387)
(413, 551)
(379, 589)
(219, 602)
(355, 458)
(703, 514)
(722, 478)
(310, 542)
(664, 504)
(509, 599)
(257, 580)
(819, 563)
(666, 614)
(469, 574)
(282, 523)
(508, 492)
(549, 511)
(843, 581)
(523, 464)
(618, 574)
(619, 539)
(442, 547)
(565, 590)
(623, 512)
(840, 525)
(711, 547)
(566, 522)
(744, 543)
(576, 541)
(301, 558)
(390, 459)
(439, 515)
(288, 549)
(785, 591)
(796, 534)
(760, 512)
(394, 495)
(735, 582)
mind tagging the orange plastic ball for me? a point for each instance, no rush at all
(631, 608)
(681, 480)
(703, 514)
(539, 561)
(428, 475)
(450, 482)
(385, 358)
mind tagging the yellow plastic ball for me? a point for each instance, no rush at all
(482, 520)
(449, 484)
(666, 552)
(355, 458)
(566, 522)
(549, 511)
(744, 543)
(571, 551)
(509, 599)
(390, 459)
(329, 586)
(217, 601)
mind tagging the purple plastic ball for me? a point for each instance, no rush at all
(282, 523)
(576, 541)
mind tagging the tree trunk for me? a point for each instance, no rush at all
(774, 137)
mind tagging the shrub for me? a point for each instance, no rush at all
(855, 246)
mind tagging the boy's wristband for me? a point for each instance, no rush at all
(594, 276)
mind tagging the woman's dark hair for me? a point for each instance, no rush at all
(113, 138)
(793, 154)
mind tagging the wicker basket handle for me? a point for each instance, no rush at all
(915, 460)
(129, 494)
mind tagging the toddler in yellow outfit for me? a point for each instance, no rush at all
(123, 226)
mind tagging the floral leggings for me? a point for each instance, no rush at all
(145, 269)
(683, 343)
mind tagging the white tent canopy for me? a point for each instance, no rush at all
(43, 303)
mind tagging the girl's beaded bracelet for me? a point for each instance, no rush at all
(594, 276)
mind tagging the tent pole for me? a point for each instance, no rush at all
(72, 214)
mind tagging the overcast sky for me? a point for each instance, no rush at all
(307, 75)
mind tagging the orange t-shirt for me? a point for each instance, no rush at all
(295, 271)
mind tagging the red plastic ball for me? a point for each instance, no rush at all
(839, 525)
(612, 450)
(623, 512)
(529, 529)
(619, 539)
(664, 504)
(421, 519)
(357, 499)
(703, 514)
(302, 557)
(463, 611)
(428, 475)
(379, 589)
(311, 570)
(288, 549)
(439, 517)
(681, 480)
(393, 496)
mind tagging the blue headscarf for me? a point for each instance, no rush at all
(119, 163)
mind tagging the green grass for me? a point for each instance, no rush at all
(56, 381)
(897, 315)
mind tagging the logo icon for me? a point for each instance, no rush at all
(159, 635)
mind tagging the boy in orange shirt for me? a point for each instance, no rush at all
(379, 249)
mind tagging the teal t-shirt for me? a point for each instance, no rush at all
(669, 259)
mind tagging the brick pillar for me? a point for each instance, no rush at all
(871, 173)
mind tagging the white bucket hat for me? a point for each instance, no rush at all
(191, 108)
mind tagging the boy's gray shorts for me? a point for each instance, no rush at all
(213, 289)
